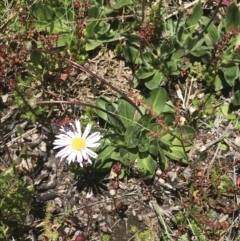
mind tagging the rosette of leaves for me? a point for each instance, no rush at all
(207, 50)
(134, 138)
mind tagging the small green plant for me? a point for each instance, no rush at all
(143, 136)
(48, 232)
(106, 237)
(15, 204)
(146, 235)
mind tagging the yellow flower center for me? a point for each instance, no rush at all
(78, 144)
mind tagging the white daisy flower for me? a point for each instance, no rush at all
(75, 145)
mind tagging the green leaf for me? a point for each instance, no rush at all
(63, 41)
(92, 44)
(154, 147)
(122, 3)
(232, 18)
(155, 81)
(42, 12)
(143, 144)
(103, 28)
(176, 155)
(132, 54)
(145, 72)
(178, 54)
(230, 74)
(236, 98)
(157, 100)
(163, 158)
(145, 120)
(201, 51)
(196, 16)
(132, 136)
(212, 31)
(105, 154)
(101, 102)
(147, 166)
(115, 156)
(190, 42)
(126, 112)
(185, 136)
(103, 165)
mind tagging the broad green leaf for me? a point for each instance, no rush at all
(198, 44)
(201, 51)
(167, 139)
(145, 72)
(63, 14)
(157, 100)
(94, 11)
(224, 109)
(163, 158)
(146, 166)
(131, 54)
(196, 16)
(122, 3)
(232, 18)
(236, 98)
(92, 44)
(103, 28)
(42, 12)
(212, 31)
(132, 39)
(126, 112)
(178, 54)
(155, 81)
(64, 40)
(115, 156)
(176, 156)
(186, 135)
(218, 84)
(154, 147)
(105, 154)
(113, 120)
(103, 165)
(143, 144)
(190, 42)
(230, 74)
(101, 102)
(132, 135)
(145, 120)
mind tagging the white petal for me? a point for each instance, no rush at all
(94, 137)
(93, 144)
(62, 142)
(71, 134)
(64, 152)
(81, 165)
(78, 126)
(84, 154)
(86, 131)
(72, 157)
(89, 161)
(63, 136)
(79, 157)
(91, 153)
